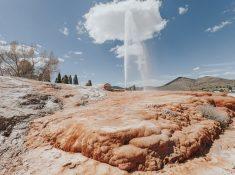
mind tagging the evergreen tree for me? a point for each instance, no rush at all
(89, 83)
(65, 79)
(56, 80)
(75, 80)
(59, 78)
(133, 88)
(70, 79)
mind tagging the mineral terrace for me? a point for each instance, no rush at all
(64, 129)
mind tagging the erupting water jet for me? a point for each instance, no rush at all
(135, 57)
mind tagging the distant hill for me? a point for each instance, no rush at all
(205, 83)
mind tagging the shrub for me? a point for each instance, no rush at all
(212, 113)
(89, 83)
(65, 79)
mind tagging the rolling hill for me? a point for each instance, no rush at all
(205, 83)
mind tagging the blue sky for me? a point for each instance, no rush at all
(198, 39)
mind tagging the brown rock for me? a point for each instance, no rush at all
(107, 87)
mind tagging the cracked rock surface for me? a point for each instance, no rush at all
(153, 130)
(22, 101)
(64, 129)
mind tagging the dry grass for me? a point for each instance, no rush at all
(212, 113)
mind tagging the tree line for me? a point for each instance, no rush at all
(24, 61)
(69, 80)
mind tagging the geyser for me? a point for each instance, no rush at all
(135, 54)
(131, 22)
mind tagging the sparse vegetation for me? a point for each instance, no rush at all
(212, 113)
(22, 61)
(70, 79)
(65, 79)
(58, 79)
(75, 80)
(230, 88)
(89, 83)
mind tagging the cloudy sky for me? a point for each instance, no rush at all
(192, 38)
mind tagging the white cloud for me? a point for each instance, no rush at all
(196, 68)
(73, 54)
(105, 21)
(208, 75)
(118, 50)
(134, 49)
(230, 73)
(39, 46)
(61, 60)
(230, 9)
(64, 31)
(66, 56)
(80, 28)
(77, 53)
(86, 75)
(218, 27)
(183, 10)
(2, 42)
(224, 70)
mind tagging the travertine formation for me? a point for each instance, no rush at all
(139, 136)
(88, 131)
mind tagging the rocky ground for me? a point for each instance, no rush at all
(64, 129)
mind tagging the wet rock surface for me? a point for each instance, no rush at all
(64, 129)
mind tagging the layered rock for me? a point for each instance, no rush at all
(140, 136)
(82, 130)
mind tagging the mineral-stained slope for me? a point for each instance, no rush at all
(144, 134)
(127, 133)
(20, 103)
